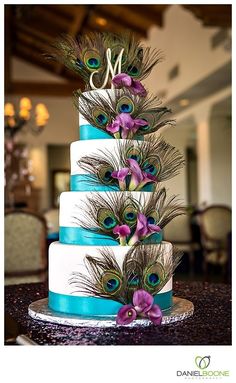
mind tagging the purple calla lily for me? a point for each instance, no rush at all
(126, 124)
(143, 306)
(121, 175)
(142, 301)
(155, 314)
(123, 232)
(126, 315)
(138, 178)
(124, 80)
(143, 229)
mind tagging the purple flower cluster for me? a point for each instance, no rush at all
(126, 124)
(139, 178)
(142, 306)
(143, 231)
(123, 80)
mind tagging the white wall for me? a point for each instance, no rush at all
(184, 41)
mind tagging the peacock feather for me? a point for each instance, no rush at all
(144, 267)
(150, 267)
(105, 277)
(83, 56)
(160, 209)
(156, 158)
(101, 110)
(103, 214)
(137, 60)
(88, 54)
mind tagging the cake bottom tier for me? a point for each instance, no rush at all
(65, 260)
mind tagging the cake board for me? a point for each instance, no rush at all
(39, 310)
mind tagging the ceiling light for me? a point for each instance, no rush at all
(184, 102)
(101, 21)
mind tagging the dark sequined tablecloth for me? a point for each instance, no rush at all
(210, 324)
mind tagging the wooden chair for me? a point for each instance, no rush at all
(25, 247)
(179, 233)
(215, 227)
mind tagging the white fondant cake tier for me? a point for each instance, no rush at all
(72, 204)
(66, 259)
(79, 149)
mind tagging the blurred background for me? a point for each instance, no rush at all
(41, 122)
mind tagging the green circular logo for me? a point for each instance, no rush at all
(202, 362)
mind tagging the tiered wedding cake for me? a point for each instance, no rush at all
(110, 258)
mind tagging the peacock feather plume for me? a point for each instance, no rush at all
(102, 110)
(150, 267)
(88, 54)
(144, 267)
(158, 160)
(119, 215)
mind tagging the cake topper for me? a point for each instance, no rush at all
(98, 57)
(133, 164)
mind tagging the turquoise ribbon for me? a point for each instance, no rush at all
(75, 235)
(83, 237)
(90, 132)
(92, 306)
(87, 182)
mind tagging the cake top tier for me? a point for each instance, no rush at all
(98, 57)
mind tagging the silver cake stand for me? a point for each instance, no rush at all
(39, 310)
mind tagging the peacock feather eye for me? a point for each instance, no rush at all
(107, 219)
(133, 70)
(152, 166)
(104, 174)
(111, 282)
(134, 154)
(153, 218)
(92, 60)
(150, 121)
(153, 276)
(125, 105)
(100, 117)
(129, 215)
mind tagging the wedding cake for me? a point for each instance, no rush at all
(111, 259)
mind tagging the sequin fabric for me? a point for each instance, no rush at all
(210, 324)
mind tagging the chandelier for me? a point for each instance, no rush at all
(18, 166)
(14, 123)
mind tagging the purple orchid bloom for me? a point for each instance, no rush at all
(143, 229)
(123, 231)
(139, 178)
(121, 175)
(124, 80)
(143, 306)
(127, 124)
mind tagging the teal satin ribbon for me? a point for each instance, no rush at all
(92, 306)
(87, 182)
(75, 235)
(90, 132)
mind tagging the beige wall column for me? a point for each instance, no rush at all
(204, 169)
